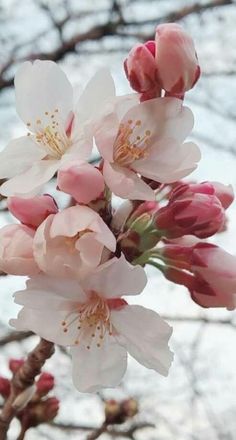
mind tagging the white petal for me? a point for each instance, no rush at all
(116, 278)
(171, 161)
(42, 87)
(43, 290)
(126, 184)
(98, 367)
(90, 249)
(31, 180)
(18, 156)
(99, 90)
(163, 117)
(145, 335)
(47, 323)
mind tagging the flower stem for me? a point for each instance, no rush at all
(23, 379)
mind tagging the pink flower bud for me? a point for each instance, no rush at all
(225, 193)
(192, 209)
(5, 387)
(16, 250)
(209, 272)
(82, 181)
(176, 59)
(15, 364)
(45, 384)
(141, 70)
(32, 211)
(52, 405)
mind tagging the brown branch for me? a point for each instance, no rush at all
(15, 337)
(22, 380)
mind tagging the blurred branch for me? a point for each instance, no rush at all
(96, 432)
(115, 26)
(15, 337)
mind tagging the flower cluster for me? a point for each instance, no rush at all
(83, 261)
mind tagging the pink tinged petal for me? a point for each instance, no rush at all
(163, 117)
(99, 90)
(176, 59)
(126, 184)
(42, 87)
(225, 193)
(90, 249)
(121, 215)
(19, 154)
(220, 299)
(55, 256)
(82, 181)
(78, 218)
(98, 367)
(116, 278)
(16, 250)
(171, 162)
(30, 182)
(47, 323)
(41, 288)
(145, 335)
(32, 211)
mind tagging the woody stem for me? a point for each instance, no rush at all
(23, 379)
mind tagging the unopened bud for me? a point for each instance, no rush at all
(5, 387)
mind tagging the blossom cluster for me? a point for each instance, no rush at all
(34, 404)
(84, 260)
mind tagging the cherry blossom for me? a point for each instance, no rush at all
(59, 128)
(147, 141)
(16, 250)
(72, 241)
(101, 327)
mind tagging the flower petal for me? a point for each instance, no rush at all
(116, 278)
(98, 367)
(170, 162)
(81, 180)
(99, 90)
(145, 335)
(78, 218)
(16, 250)
(19, 154)
(126, 184)
(31, 180)
(47, 323)
(42, 288)
(42, 87)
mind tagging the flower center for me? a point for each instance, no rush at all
(51, 137)
(92, 320)
(128, 146)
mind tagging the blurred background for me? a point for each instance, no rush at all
(197, 400)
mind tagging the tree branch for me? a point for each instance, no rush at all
(22, 380)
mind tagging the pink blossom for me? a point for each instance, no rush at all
(81, 180)
(59, 125)
(192, 209)
(16, 250)
(72, 242)
(147, 140)
(32, 211)
(176, 59)
(91, 316)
